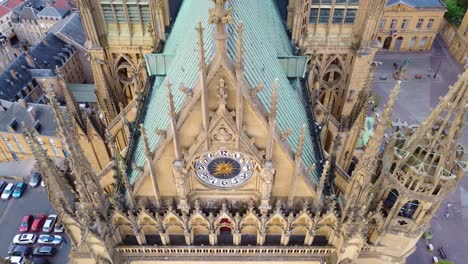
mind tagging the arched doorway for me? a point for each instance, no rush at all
(398, 43)
(225, 233)
(387, 43)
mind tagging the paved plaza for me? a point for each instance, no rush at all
(414, 103)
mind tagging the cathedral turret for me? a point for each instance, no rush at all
(421, 166)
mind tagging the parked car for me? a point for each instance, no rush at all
(21, 251)
(58, 228)
(8, 191)
(26, 223)
(49, 223)
(15, 260)
(50, 239)
(44, 251)
(23, 239)
(35, 179)
(43, 183)
(38, 222)
(2, 186)
(10, 248)
(19, 190)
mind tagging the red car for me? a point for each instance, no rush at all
(38, 223)
(25, 223)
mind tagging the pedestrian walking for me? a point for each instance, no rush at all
(394, 65)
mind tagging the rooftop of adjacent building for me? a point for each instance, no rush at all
(417, 3)
(38, 116)
(53, 13)
(71, 28)
(83, 93)
(45, 55)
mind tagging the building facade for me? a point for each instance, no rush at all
(7, 53)
(456, 39)
(410, 24)
(223, 157)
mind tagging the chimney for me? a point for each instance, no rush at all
(22, 103)
(13, 74)
(29, 59)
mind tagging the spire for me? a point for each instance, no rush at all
(297, 166)
(438, 136)
(88, 186)
(149, 160)
(220, 16)
(239, 47)
(72, 106)
(374, 144)
(239, 77)
(201, 47)
(172, 117)
(272, 120)
(321, 184)
(51, 175)
(202, 77)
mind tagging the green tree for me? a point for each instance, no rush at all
(455, 11)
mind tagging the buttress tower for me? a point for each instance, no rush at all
(119, 33)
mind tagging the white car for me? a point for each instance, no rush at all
(49, 239)
(15, 260)
(23, 239)
(49, 223)
(8, 191)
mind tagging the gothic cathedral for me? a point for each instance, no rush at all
(231, 136)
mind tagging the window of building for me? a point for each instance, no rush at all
(412, 42)
(52, 142)
(39, 140)
(55, 150)
(422, 44)
(16, 138)
(350, 16)
(393, 24)
(404, 24)
(338, 15)
(315, 1)
(10, 148)
(353, 2)
(382, 24)
(430, 23)
(21, 148)
(326, 2)
(341, 1)
(313, 15)
(324, 15)
(4, 138)
(420, 22)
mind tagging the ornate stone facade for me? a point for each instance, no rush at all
(223, 158)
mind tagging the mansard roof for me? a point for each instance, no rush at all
(264, 40)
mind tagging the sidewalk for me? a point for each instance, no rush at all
(17, 168)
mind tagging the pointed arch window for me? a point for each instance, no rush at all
(409, 209)
(391, 199)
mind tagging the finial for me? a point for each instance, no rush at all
(274, 100)
(170, 100)
(201, 47)
(300, 144)
(239, 44)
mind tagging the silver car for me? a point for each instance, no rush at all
(49, 223)
(50, 239)
(23, 239)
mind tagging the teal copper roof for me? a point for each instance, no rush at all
(264, 40)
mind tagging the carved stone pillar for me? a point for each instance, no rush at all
(285, 237)
(237, 238)
(181, 182)
(188, 237)
(309, 239)
(164, 238)
(267, 176)
(213, 238)
(261, 238)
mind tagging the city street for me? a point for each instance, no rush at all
(33, 202)
(414, 104)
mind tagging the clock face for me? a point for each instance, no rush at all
(224, 169)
